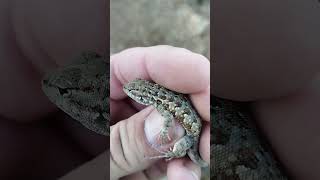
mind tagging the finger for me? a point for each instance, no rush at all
(175, 68)
(201, 101)
(97, 168)
(135, 176)
(204, 144)
(132, 141)
(156, 172)
(183, 169)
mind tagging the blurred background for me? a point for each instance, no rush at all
(182, 23)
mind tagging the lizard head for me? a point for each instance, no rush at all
(141, 91)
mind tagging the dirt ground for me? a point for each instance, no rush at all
(182, 23)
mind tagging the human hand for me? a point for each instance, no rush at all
(175, 68)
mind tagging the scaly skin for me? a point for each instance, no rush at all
(81, 89)
(171, 105)
(237, 150)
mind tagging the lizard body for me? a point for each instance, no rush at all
(171, 105)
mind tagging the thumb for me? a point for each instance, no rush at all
(131, 142)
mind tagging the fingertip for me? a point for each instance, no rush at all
(201, 101)
(129, 145)
(178, 69)
(154, 123)
(175, 68)
(125, 66)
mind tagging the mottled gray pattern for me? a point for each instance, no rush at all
(171, 105)
(81, 89)
(237, 151)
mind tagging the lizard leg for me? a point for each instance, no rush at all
(179, 149)
(168, 122)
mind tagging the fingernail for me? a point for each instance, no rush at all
(154, 124)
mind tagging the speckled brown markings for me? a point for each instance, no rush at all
(237, 151)
(171, 105)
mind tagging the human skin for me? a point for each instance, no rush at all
(175, 68)
(267, 52)
(36, 139)
(42, 45)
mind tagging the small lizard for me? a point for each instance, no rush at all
(81, 89)
(237, 150)
(171, 105)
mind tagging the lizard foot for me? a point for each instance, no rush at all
(165, 154)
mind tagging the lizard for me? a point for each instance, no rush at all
(172, 106)
(81, 89)
(237, 150)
